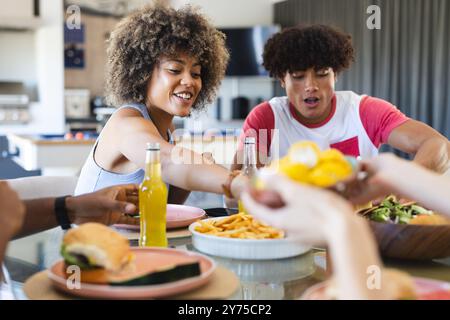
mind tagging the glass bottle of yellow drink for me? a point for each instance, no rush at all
(249, 166)
(153, 201)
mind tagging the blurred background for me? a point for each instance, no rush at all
(52, 76)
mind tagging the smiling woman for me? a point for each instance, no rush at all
(162, 63)
(180, 79)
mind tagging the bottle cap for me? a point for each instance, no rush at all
(153, 146)
(250, 140)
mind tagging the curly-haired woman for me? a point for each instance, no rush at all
(307, 61)
(162, 63)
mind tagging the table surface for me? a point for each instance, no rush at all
(260, 279)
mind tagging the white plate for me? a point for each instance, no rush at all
(247, 249)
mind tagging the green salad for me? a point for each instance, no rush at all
(392, 211)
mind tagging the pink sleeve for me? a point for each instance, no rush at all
(259, 124)
(379, 118)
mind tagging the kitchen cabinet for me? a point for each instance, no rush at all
(34, 57)
(54, 156)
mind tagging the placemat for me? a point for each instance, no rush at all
(222, 285)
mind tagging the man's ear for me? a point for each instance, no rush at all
(283, 85)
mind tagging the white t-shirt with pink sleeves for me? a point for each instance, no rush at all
(357, 125)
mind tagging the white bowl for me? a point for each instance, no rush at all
(246, 249)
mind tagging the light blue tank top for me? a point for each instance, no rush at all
(93, 177)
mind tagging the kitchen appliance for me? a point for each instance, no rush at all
(240, 108)
(14, 103)
(76, 102)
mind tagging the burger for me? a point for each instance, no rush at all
(99, 251)
(105, 257)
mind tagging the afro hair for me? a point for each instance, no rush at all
(139, 41)
(303, 47)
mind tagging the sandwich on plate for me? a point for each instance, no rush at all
(104, 256)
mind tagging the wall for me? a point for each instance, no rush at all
(237, 13)
(222, 14)
(92, 76)
(229, 14)
(406, 61)
(16, 8)
(17, 56)
(253, 88)
(18, 52)
(38, 55)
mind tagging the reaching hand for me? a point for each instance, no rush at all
(309, 214)
(238, 185)
(12, 211)
(386, 173)
(108, 206)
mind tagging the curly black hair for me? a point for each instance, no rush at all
(140, 40)
(302, 47)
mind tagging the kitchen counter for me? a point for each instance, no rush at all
(54, 155)
(48, 140)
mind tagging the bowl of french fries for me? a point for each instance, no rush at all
(240, 236)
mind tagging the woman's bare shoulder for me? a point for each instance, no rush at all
(126, 113)
(129, 120)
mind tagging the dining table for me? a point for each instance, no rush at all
(269, 279)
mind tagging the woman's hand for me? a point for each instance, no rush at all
(307, 214)
(12, 211)
(238, 185)
(108, 206)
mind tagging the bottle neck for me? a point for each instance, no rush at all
(153, 164)
(249, 165)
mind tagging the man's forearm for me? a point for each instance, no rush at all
(39, 216)
(434, 154)
(430, 189)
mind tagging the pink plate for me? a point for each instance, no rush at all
(177, 216)
(146, 259)
(426, 289)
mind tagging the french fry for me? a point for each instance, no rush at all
(239, 226)
(225, 220)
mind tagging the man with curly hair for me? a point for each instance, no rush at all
(162, 62)
(307, 61)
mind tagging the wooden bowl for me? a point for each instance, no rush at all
(412, 241)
